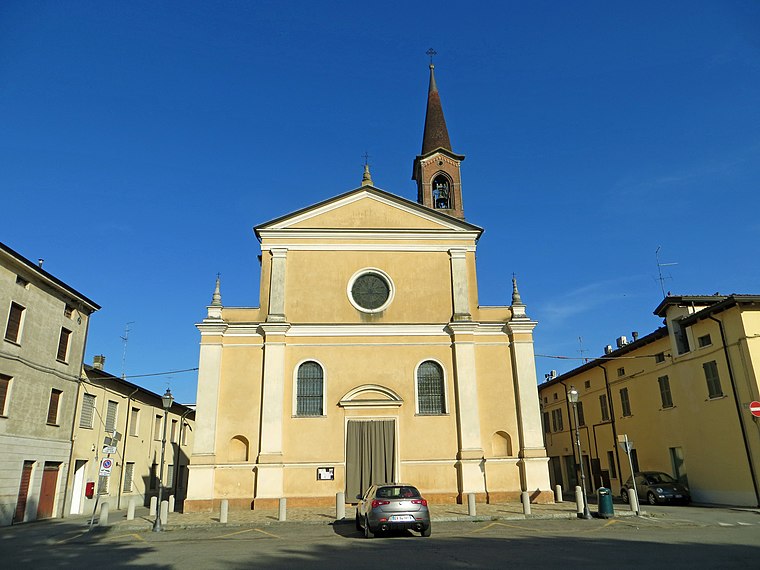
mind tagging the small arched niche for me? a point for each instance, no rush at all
(501, 444)
(237, 449)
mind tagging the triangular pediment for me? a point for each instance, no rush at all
(368, 208)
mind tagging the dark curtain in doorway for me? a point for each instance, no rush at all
(370, 450)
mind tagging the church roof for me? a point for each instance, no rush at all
(297, 218)
(436, 134)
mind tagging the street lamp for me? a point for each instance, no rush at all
(166, 400)
(572, 395)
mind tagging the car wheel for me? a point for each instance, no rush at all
(358, 521)
(367, 532)
(624, 495)
(651, 499)
(427, 531)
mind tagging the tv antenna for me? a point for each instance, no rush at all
(125, 340)
(582, 350)
(661, 278)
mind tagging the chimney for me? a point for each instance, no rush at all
(635, 335)
(40, 261)
(98, 362)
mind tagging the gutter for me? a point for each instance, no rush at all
(614, 425)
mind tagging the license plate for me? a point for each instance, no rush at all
(401, 518)
(679, 496)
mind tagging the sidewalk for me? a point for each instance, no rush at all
(326, 515)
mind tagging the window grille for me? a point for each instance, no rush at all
(430, 389)
(309, 390)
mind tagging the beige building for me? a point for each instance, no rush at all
(369, 357)
(681, 394)
(107, 404)
(44, 331)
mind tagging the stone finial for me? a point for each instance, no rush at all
(216, 300)
(367, 177)
(516, 300)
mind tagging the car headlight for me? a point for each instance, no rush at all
(659, 490)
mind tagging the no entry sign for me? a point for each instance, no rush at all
(754, 408)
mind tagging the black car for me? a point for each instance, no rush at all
(656, 487)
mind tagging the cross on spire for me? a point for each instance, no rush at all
(431, 52)
(366, 158)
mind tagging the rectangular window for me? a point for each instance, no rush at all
(5, 384)
(704, 341)
(157, 428)
(713, 380)
(611, 465)
(174, 431)
(68, 310)
(581, 418)
(169, 476)
(547, 426)
(111, 411)
(557, 424)
(129, 473)
(153, 477)
(88, 411)
(604, 408)
(621, 371)
(625, 403)
(15, 320)
(20, 281)
(682, 340)
(587, 383)
(63, 345)
(659, 357)
(55, 398)
(635, 461)
(665, 396)
(134, 421)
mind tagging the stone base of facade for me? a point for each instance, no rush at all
(214, 505)
(536, 497)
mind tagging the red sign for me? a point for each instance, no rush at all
(754, 408)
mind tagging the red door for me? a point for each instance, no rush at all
(47, 491)
(23, 491)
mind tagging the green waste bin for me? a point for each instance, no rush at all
(604, 503)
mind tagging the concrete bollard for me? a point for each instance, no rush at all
(171, 503)
(282, 511)
(525, 498)
(558, 497)
(164, 512)
(103, 520)
(131, 509)
(153, 506)
(224, 510)
(340, 506)
(633, 500)
(579, 500)
(471, 510)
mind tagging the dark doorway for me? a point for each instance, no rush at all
(47, 490)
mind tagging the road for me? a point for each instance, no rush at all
(672, 536)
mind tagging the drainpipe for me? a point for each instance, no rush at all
(738, 408)
(614, 426)
(124, 449)
(178, 454)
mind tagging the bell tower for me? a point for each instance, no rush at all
(436, 168)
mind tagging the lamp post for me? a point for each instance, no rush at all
(166, 400)
(572, 395)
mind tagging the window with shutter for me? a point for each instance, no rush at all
(169, 476)
(88, 411)
(129, 471)
(15, 318)
(55, 397)
(309, 389)
(5, 384)
(63, 345)
(103, 481)
(157, 428)
(111, 415)
(714, 389)
(134, 422)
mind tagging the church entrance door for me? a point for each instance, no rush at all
(370, 454)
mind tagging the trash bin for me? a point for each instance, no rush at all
(604, 503)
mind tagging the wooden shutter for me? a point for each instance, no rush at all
(14, 322)
(52, 417)
(5, 382)
(88, 409)
(63, 345)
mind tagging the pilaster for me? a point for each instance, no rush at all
(277, 285)
(459, 287)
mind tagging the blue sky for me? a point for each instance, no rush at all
(141, 141)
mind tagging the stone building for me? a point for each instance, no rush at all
(369, 357)
(45, 327)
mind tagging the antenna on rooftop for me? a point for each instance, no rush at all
(125, 340)
(582, 350)
(660, 265)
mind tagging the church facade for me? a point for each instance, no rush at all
(369, 358)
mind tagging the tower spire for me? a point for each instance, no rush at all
(436, 135)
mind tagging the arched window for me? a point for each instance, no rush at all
(430, 393)
(441, 193)
(309, 389)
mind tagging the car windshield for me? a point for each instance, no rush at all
(397, 492)
(655, 478)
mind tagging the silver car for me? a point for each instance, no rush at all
(390, 506)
